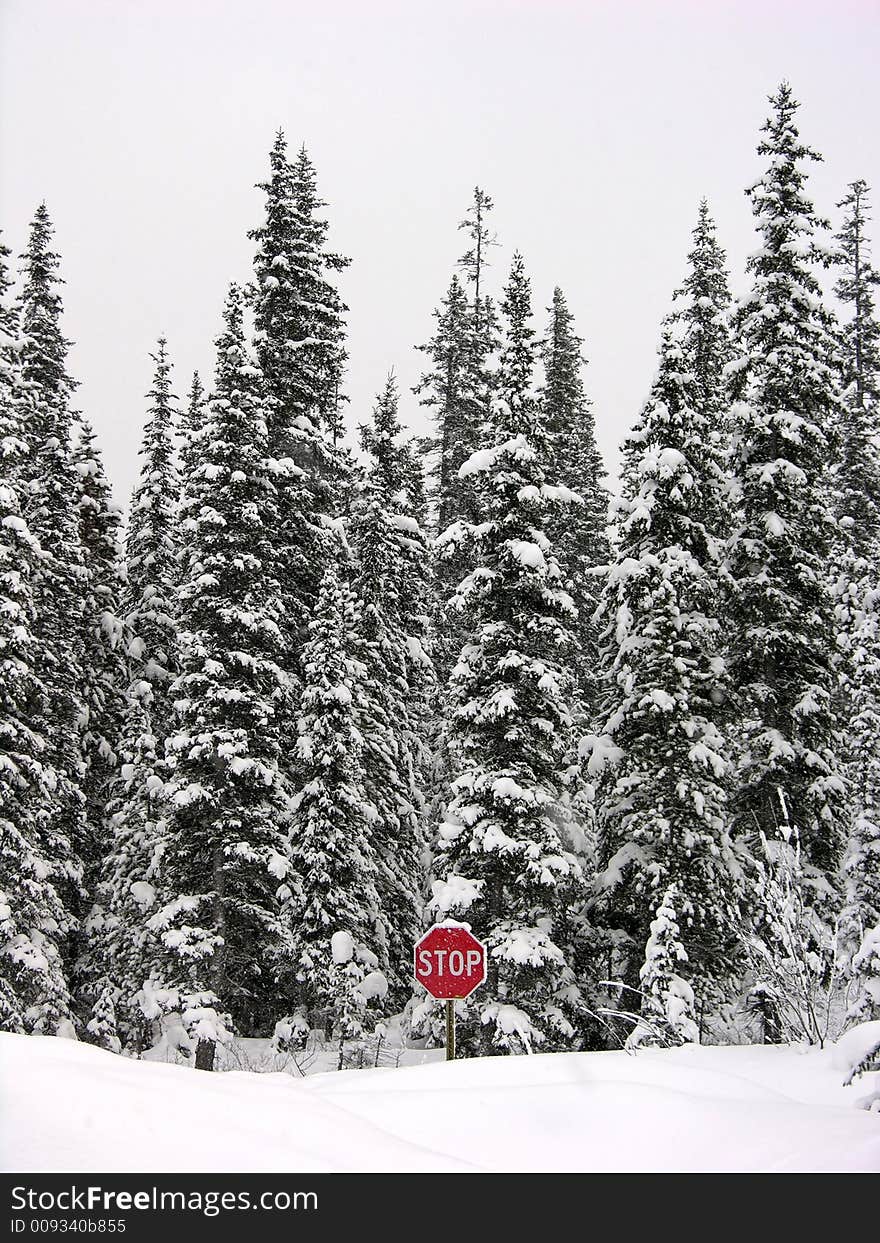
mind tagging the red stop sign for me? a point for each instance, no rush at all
(450, 961)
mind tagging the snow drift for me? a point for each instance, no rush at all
(75, 1108)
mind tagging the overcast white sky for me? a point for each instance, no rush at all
(595, 126)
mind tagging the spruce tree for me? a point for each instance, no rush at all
(9, 346)
(333, 883)
(502, 861)
(226, 797)
(858, 595)
(662, 805)
(34, 924)
(50, 497)
(785, 437)
(152, 545)
(391, 555)
(104, 668)
(579, 536)
(322, 355)
(34, 921)
(14, 407)
(457, 388)
(668, 999)
(189, 424)
(866, 971)
(121, 951)
(299, 324)
(447, 390)
(483, 326)
(859, 640)
(299, 343)
(860, 474)
(474, 262)
(704, 303)
(418, 615)
(293, 433)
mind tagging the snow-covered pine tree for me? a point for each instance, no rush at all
(502, 860)
(579, 537)
(50, 495)
(121, 952)
(858, 593)
(34, 924)
(9, 346)
(419, 603)
(226, 797)
(35, 921)
(784, 440)
(662, 807)
(322, 355)
(457, 388)
(14, 448)
(293, 432)
(352, 986)
(446, 389)
(484, 340)
(865, 968)
(390, 584)
(860, 335)
(418, 616)
(104, 666)
(152, 551)
(332, 887)
(274, 300)
(101, 1026)
(668, 1000)
(704, 303)
(474, 262)
(190, 421)
(299, 339)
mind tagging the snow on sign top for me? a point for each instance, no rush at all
(449, 961)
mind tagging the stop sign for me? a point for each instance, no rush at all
(449, 961)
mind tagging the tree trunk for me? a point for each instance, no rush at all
(205, 1055)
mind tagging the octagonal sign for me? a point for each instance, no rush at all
(450, 962)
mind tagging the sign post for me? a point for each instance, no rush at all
(450, 963)
(450, 1029)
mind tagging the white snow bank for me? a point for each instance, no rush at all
(855, 1046)
(70, 1107)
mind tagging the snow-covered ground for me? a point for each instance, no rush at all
(66, 1106)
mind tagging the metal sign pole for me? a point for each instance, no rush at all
(450, 1030)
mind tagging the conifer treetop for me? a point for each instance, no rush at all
(152, 543)
(298, 313)
(380, 438)
(517, 409)
(860, 335)
(39, 303)
(855, 288)
(476, 258)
